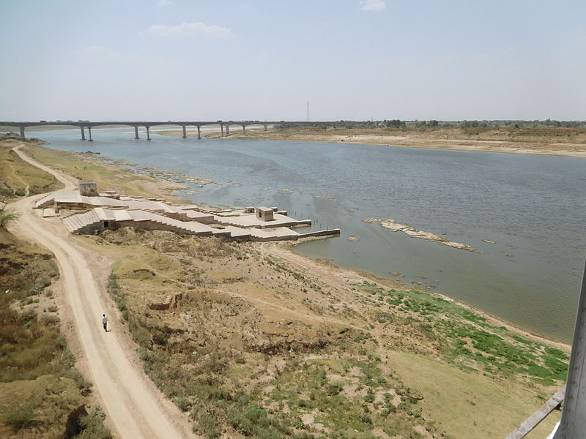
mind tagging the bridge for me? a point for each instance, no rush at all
(84, 125)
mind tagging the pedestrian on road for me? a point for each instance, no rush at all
(105, 322)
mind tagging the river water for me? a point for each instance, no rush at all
(532, 207)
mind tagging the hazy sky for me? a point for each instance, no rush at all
(245, 59)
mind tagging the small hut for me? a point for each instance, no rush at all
(264, 214)
(88, 188)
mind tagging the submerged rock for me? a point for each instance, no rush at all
(412, 232)
(395, 227)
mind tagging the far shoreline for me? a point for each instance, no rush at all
(561, 149)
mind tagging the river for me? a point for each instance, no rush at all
(523, 214)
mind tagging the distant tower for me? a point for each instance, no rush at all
(307, 112)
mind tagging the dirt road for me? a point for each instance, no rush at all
(133, 405)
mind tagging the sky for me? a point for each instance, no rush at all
(255, 60)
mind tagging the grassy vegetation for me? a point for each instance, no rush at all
(471, 404)
(17, 178)
(520, 132)
(88, 167)
(267, 371)
(6, 217)
(348, 404)
(470, 341)
(39, 384)
(231, 376)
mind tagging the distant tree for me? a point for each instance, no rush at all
(395, 123)
(433, 123)
(470, 124)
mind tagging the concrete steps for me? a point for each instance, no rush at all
(96, 217)
(99, 219)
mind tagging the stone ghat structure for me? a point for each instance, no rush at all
(99, 219)
(110, 210)
(75, 200)
(246, 220)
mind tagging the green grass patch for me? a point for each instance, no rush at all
(468, 339)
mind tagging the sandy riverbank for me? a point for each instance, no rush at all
(259, 317)
(570, 143)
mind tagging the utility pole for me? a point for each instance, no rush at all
(573, 422)
(572, 399)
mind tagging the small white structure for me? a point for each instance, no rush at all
(88, 189)
(50, 212)
(264, 214)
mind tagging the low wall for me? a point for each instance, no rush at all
(331, 232)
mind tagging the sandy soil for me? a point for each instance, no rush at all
(134, 407)
(421, 140)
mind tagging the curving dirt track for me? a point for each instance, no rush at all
(135, 408)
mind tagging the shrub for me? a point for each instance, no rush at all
(182, 403)
(20, 417)
(334, 389)
(6, 216)
(207, 420)
(93, 426)
(369, 395)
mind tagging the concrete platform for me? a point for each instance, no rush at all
(261, 235)
(238, 233)
(273, 234)
(191, 215)
(49, 213)
(247, 220)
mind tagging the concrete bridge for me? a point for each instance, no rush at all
(84, 125)
(224, 125)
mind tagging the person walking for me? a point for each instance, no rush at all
(105, 322)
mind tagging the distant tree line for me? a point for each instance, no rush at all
(397, 123)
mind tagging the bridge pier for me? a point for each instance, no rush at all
(136, 132)
(222, 129)
(243, 129)
(22, 132)
(227, 129)
(198, 132)
(148, 132)
(82, 133)
(265, 125)
(89, 130)
(184, 133)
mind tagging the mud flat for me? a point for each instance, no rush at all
(410, 231)
(156, 173)
(565, 142)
